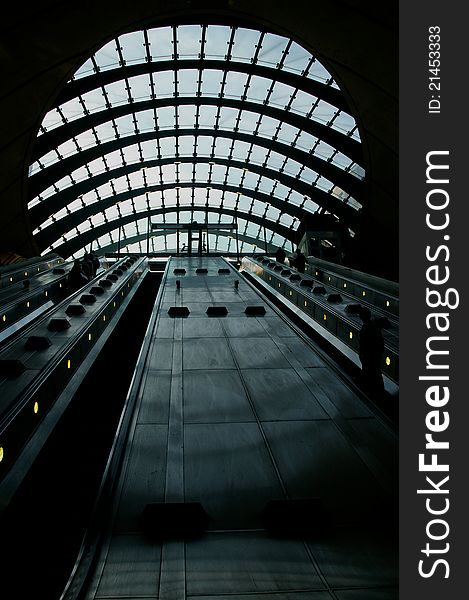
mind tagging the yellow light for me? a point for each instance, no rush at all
(351, 335)
(306, 303)
(26, 273)
(4, 318)
(317, 273)
(388, 361)
(345, 285)
(27, 304)
(36, 408)
(270, 278)
(38, 269)
(291, 293)
(1, 454)
(11, 279)
(104, 317)
(329, 278)
(363, 293)
(69, 364)
(279, 285)
(60, 285)
(325, 317)
(114, 304)
(46, 293)
(122, 293)
(387, 302)
(89, 337)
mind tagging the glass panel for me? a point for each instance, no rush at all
(204, 145)
(235, 84)
(219, 173)
(244, 46)
(125, 125)
(161, 43)
(281, 95)
(297, 59)
(116, 93)
(105, 132)
(272, 49)
(188, 41)
(145, 120)
(258, 88)
(52, 120)
(302, 103)
(248, 121)
(140, 87)
(114, 159)
(186, 145)
(185, 172)
(228, 117)
(240, 150)
(207, 116)
(287, 133)
(133, 48)
(323, 150)
(186, 117)
(107, 57)
(306, 141)
(168, 173)
(324, 111)
(318, 72)
(165, 117)
(164, 84)
(217, 39)
(187, 82)
(211, 82)
(72, 109)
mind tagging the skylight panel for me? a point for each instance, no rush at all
(204, 145)
(72, 109)
(258, 88)
(133, 48)
(272, 49)
(140, 87)
(87, 139)
(86, 69)
(186, 145)
(161, 43)
(217, 40)
(297, 59)
(244, 46)
(164, 84)
(116, 93)
(187, 82)
(188, 41)
(145, 120)
(281, 94)
(235, 84)
(211, 82)
(107, 57)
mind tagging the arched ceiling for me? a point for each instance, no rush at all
(194, 122)
(357, 41)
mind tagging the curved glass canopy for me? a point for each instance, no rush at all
(193, 122)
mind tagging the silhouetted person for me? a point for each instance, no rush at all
(76, 277)
(280, 255)
(371, 346)
(95, 261)
(299, 261)
(87, 266)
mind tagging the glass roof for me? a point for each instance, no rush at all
(193, 122)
